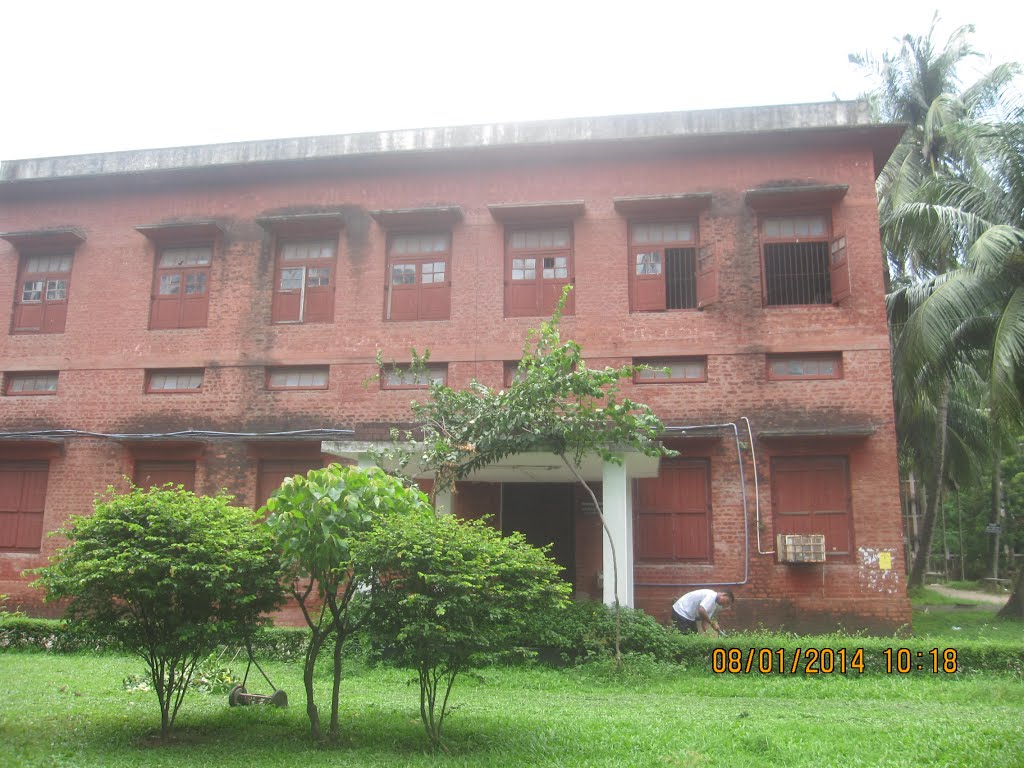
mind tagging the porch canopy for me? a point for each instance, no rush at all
(543, 467)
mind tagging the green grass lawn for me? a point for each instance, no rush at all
(72, 710)
(960, 617)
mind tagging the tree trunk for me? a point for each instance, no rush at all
(333, 731)
(1014, 608)
(935, 497)
(312, 651)
(997, 505)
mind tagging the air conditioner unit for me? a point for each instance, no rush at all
(800, 548)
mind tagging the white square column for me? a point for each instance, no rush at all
(443, 502)
(617, 505)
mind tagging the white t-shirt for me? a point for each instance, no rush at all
(686, 606)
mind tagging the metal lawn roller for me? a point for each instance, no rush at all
(240, 697)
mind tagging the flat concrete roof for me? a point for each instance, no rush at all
(832, 116)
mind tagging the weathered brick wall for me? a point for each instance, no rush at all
(107, 346)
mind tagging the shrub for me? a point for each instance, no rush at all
(169, 575)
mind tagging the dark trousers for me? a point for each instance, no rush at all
(684, 625)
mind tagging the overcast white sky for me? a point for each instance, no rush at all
(81, 76)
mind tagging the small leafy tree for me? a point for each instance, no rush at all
(555, 403)
(447, 595)
(315, 518)
(168, 574)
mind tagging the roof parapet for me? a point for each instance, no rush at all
(565, 132)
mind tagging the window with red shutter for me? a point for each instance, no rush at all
(181, 287)
(538, 265)
(41, 301)
(304, 281)
(796, 255)
(811, 494)
(156, 474)
(673, 513)
(272, 473)
(419, 279)
(663, 265)
(22, 504)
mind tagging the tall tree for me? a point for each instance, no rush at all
(934, 194)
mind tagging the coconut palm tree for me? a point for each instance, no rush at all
(948, 245)
(976, 309)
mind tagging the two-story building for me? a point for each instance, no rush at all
(212, 316)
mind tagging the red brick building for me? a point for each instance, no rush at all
(212, 316)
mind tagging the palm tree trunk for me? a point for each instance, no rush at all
(935, 497)
(997, 505)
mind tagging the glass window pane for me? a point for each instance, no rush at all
(319, 249)
(555, 267)
(42, 264)
(403, 274)
(298, 378)
(170, 285)
(318, 277)
(291, 279)
(193, 256)
(175, 380)
(662, 232)
(421, 243)
(402, 376)
(56, 290)
(648, 263)
(674, 369)
(557, 237)
(32, 291)
(195, 284)
(524, 269)
(43, 382)
(782, 227)
(433, 272)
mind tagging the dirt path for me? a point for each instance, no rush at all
(980, 597)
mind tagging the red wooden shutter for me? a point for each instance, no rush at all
(287, 303)
(194, 306)
(402, 297)
(707, 276)
(272, 473)
(550, 293)
(674, 513)
(839, 271)
(165, 312)
(22, 503)
(319, 303)
(521, 298)
(28, 317)
(156, 474)
(436, 301)
(648, 289)
(55, 317)
(811, 495)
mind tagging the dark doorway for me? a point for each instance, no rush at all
(543, 512)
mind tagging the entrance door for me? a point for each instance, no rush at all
(543, 513)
